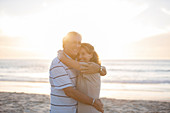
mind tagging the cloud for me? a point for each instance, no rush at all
(6, 41)
(12, 47)
(20, 7)
(156, 15)
(15, 53)
(155, 47)
(166, 11)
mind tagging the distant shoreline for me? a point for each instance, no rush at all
(50, 59)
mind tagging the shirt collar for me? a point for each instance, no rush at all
(67, 55)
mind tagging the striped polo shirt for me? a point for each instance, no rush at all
(61, 77)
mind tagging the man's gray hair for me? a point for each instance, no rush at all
(70, 34)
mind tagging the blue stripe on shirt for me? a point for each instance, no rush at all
(60, 85)
(64, 105)
(59, 76)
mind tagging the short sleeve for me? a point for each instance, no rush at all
(59, 78)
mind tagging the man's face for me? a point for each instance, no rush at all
(73, 46)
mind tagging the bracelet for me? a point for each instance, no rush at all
(93, 101)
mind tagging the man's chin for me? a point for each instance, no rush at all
(74, 55)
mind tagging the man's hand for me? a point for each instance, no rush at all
(77, 95)
(98, 105)
(61, 55)
(89, 68)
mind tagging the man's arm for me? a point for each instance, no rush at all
(69, 62)
(103, 72)
(77, 95)
(92, 67)
(87, 68)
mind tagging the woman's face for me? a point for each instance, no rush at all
(84, 56)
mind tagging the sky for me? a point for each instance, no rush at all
(118, 29)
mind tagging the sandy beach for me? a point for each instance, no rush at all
(36, 103)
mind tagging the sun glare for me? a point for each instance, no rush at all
(113, 26)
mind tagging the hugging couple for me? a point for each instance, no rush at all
(75, 78)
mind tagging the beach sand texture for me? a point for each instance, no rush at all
(36, 103)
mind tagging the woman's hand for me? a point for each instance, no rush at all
(99, 105)
(61, 55)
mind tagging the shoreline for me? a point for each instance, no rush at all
(155, 92)
(40, 103)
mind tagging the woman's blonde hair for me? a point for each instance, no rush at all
(90, 49)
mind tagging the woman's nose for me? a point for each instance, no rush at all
(80, 56)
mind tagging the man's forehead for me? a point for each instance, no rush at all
(75, 38)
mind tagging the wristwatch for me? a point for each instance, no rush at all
(101, 69)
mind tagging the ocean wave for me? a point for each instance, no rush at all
(25, 80)
(138, 81)
(138, 70)
(104, 81)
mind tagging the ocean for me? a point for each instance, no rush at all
(138, 71)
(149, 75)
(118, 71)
